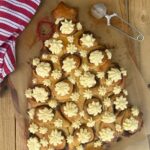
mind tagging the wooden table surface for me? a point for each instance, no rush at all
(138, 13)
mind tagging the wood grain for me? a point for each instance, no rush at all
(139, 15)
(7, 123)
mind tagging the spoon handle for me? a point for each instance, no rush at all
(138, 35)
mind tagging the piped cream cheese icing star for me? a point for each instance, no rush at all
(87, 40)
(45, 114)
(121, 102)
(130, 124)
(40, 94)
(58, 123)
(69, 64)
(102, 91)
(70, 109)
(69, 139)
(67, 27)
(56, 137)
(94, 108)
(33, 143)
(71, 48)
(56, 74)
(96, 57)
(75, 96)
(43, 69)
(76, 124)
(62, 88)
(114, 74)
(44, 142)
(31, 113)
(83, 135)
(90, 123)
(106, 134)
(87, 80)
(87, 94)
(43, 130)
(135, 111)
(33, 128)
(108, 117)
(54, 45)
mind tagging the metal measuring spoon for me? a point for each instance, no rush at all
(99, 11)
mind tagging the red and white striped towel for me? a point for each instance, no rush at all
(14, 17)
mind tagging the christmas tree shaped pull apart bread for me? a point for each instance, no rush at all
(78, 99)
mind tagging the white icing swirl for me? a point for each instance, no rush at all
(52, 103)
(109, 55)
(90, 123)
(130, 124)
(87, 80)
(83, 136)
(87, 40)
(28, 93)
(69, 64)
(62, 88)
(56, 74)
(135, 111)
(117, 90)
(45, 114)
(35, 61)
(77, 73)
(58, 123)
(94, 108)
(44, 142)
(118, 128)
(108, 117)
(70, 109)
(85, 67)
(31, 113)
(43, 69)
(54, 58)
(71, 48)
(97, 143)
(75, 96)
(70, 39)
(102, 91)
(70, 139)
(106, 134)
(40, 94)
(100, 75)
(76, 124)
(79, 26)
(83, 53)
(55, 35)
(114, 74)
(87, 94)
(107, 102)
(55, 46)
(33, 144)
(43, 130)
(56, 138)
(33, 128)
(96, 57)
(67, 27)
(47, 82)
(121, 103)
(72, 79)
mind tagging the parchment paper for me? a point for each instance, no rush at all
(28, 46)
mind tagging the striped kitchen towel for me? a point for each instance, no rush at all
(14, 17)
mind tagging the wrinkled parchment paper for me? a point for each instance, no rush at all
(28, 46)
